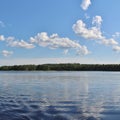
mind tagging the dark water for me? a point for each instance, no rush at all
(59, 96)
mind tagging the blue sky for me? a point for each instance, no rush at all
(40, 31)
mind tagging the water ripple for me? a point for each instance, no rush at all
(59, 96)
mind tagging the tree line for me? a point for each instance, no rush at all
(63, 67)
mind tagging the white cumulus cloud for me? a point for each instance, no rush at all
(97, 20)
(42, 39)
(85, 4)
(7, 53)
(110, 41)
(21, 43)
(54, 41)
(88, 33)
(94, 32)
(11, 41)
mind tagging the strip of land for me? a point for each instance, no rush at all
(63, 67)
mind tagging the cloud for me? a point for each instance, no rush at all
(2, 38)
(116, 48)
(110, 41)
(54, 41)
(12, 42)
(21, 43)
(85, 4)
(7, 53)
(94, 32)
(97, 20)
(2, 24)
(116, 35)
(42, 39)
(88, 33)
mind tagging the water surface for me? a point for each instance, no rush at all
(59, 95)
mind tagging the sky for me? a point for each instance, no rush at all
(64, 31)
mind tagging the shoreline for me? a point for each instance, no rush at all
(63, 67)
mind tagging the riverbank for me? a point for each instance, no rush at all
(63, 67)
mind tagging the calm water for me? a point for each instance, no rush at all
(59, 96)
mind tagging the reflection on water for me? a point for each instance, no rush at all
(59, 96)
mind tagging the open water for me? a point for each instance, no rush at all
(59, 95)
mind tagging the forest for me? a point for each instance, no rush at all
(63, 67)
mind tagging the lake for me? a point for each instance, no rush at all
(59, 95)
